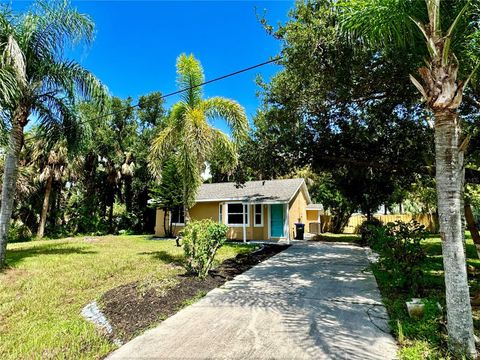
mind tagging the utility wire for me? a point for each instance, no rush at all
(174, 93)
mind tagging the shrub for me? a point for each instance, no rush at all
(19, 232)
(201, 240)
(367, 230)
(401, 254)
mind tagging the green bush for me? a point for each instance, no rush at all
(367, 230)
(401, 255)
(201, 240)
(19, 232)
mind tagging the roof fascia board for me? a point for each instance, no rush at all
(304, 186)
(243, 200)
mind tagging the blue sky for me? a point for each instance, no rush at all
(137, 43)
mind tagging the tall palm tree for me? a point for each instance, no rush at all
(189, 135)
(47, 85)
(448, 34)
(53, 162)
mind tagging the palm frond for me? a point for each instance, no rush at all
(450, 32)
(231, 111)
(58, 120)
(190, 76)
(177, 114)
(163, 145)
(224, 151)
(380, 23)
(8, 86)
(77, 82)
(433, 9)
(198, 134)
(53, 25)
(187, 165)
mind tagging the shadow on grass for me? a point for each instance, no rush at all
(15, 256)
(160, 238)
(434, 248)
(350, 238)
(165, 257)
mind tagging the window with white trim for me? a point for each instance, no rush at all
(178, 215)
(258, 215)
(235, 213)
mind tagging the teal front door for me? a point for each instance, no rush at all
(276, 220)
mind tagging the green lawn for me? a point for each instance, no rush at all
(425, 338)
(49, 282)
(331, 237)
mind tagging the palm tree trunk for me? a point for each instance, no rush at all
(46, 199)
(472, 227)
(10, 172)
(449, 175)
(165, 226)
(128, 193)
(110, 219)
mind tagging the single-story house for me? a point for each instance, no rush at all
(258, 210)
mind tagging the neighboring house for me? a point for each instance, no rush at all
(258, 210)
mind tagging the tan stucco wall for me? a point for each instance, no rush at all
(207, 210)
(312, 217)
(197, 212)
(159, 228)
(253, 232)
(297, 212)
(211, 210)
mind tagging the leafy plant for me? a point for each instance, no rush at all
(401, 254)
(167, 195)
(201, 240)
(368, 229)
(19, 232)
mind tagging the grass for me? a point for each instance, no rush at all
(47, 283)
(424, 338)
(331, 237)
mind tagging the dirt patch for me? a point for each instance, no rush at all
(10, 275)
(131, 309)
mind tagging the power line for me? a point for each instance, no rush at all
(177, 92)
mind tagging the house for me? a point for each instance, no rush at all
(258, 210)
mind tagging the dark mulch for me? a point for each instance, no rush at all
(131, 309)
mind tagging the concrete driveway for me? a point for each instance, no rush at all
(312, 301)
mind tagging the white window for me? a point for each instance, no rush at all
(178, 216)
(235, 213)
(258, 215)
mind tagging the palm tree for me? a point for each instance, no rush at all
(47, 85)
(451, 58)
(190, 137)
(53, 163)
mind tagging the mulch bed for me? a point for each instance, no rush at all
(131, 309)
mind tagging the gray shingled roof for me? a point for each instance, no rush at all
(252, 191)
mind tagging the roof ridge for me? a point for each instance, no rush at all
(251, 181)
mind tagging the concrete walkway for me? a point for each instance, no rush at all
(312, 301)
